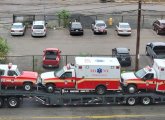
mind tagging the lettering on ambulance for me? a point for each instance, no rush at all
(99, 72)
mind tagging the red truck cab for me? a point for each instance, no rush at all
(11, 77)
(51, 57)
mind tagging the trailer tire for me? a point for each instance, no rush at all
(100, 90)
(131, 89)
(131, 101)
(13, 102)
(146, 100)
(1, 102)
(27, 86)
(50, 88)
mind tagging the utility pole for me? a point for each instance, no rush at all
(138, 37)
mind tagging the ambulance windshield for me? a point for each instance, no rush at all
(140, 73)
(59, 73)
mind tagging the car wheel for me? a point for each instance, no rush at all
(157, 31)
(1, 102)
(153, 27)
(146, 53)
(50, 88)
(27, 86)
(146, 100)
(100, 90)
(131, 101)
(131, 89)
(13, 102)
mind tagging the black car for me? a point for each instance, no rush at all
(76, 28)
(122, 55)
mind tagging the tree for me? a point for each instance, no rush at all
(4, 49)
(64, 17)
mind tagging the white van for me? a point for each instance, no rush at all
(38, 28)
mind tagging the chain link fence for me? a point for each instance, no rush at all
(127, 16)
(34, 63)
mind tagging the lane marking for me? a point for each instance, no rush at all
(95, 117)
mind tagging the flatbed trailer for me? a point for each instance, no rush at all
(13, 98)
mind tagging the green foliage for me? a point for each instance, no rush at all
(64, 17)
(4, 49)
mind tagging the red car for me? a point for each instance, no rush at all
(159, 26)
(51, 57)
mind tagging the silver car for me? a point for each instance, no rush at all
(123, 29)
(18, 29)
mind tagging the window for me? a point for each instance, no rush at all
(149, 76)
(67, 75)
(11, 73)
(2, 72)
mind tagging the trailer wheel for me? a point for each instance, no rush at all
(50, 88)
(1, 102)
(100, 90)
(13, 102)
(131, 101)
(146, 100)
(131, 89)
(27, 86)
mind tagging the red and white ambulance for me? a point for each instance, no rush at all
(148, 78)
(10, 76)
(88, 73)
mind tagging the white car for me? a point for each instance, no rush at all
(18, 29)
(38, 28)
(99, 26)
(123, 29)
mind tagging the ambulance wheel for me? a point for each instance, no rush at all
(131, 101)
(50, 88)
(146, 100)
(13, 102)
(1, 102)
(27, 86)
(131, 89)
(100, 90)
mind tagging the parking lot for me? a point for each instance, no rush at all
(28, 50)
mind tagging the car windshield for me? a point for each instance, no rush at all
(38, 27)
(140, 73)
(59, 73)
(76, 25)
(124, 26)
(17, 26)
(100, 25)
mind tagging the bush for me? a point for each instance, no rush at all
(4, 49)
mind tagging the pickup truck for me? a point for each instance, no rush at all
(155, 50)
(51, 57)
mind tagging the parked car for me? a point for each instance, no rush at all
(155, 49)
(123, 56)
(123, 28)
(38, 28)
(18, 29)
(51, 57)
(99, 26)
(75, 28)
(159, 26)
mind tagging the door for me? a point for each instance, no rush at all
(150, 82)
(11, 78)
(67, 80)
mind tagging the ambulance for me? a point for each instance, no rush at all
(98, 74)
(148, 78)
